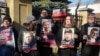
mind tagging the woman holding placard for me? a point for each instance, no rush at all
(67, 37)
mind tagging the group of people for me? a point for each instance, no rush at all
(40, 37)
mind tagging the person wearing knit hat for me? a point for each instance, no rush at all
(29, 26)
(30, 22)
(30, 18)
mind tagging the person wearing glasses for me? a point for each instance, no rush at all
(88, 50)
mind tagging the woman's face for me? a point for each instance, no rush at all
(6, 23)
(28, 38)
(68, 20)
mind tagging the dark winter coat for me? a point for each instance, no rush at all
(67, 51)
(88, 50)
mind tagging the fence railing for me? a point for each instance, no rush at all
(78, 21)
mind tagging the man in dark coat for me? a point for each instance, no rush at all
(86, 49)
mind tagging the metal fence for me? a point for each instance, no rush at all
(78, 20)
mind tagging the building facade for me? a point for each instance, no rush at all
(95, 6)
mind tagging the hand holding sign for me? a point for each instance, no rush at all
(75, 36)
(84, 36)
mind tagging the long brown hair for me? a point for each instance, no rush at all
(72, 20)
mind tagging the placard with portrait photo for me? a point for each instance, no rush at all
(29, 40)
(7, 37)
(46, 25)
(4, 36)
(93, 36)
(68, 37)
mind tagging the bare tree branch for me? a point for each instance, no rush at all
(76, 15)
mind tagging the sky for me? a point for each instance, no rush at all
(82, 2)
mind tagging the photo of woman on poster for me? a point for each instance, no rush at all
(28, 39)
(46, 25)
